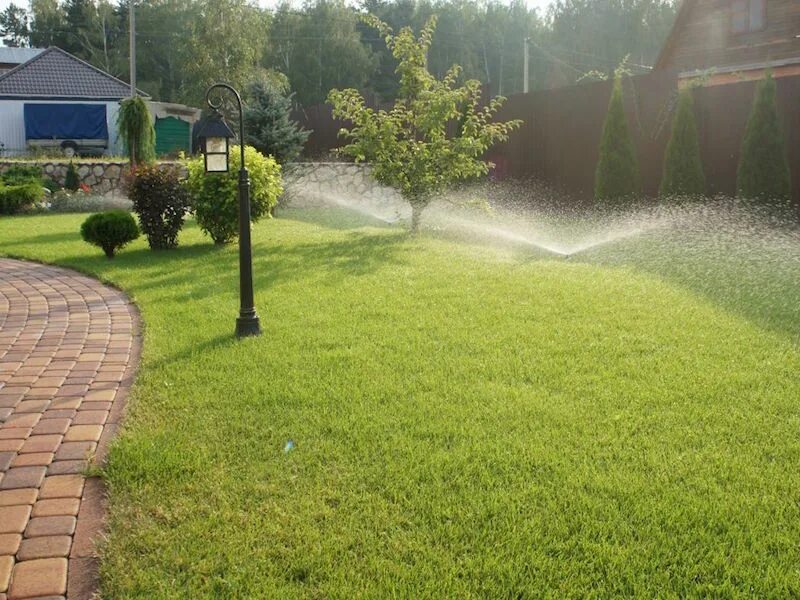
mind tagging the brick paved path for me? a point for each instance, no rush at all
(67, 354)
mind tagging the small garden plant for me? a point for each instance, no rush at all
(411, 146)
(72, 182)
(215, 196)
(111, 230)
(161, 201)
(20, 188)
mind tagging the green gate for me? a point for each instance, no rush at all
(172, 136)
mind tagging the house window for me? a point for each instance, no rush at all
(748, 15)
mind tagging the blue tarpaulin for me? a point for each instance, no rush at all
(65, 122)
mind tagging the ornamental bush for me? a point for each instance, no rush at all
(14, 198)
(21, 174)
(136, 129)
(617, 176)
(763, 174)
(215, 196)
(71, 181)
(160, 200)
(110, 230)
(683, 167)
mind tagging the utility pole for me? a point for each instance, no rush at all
(525, 67)
(132, 47)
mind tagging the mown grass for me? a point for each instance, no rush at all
(465, 426)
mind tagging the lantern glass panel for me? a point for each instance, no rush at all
(217, 163)
(217, 145)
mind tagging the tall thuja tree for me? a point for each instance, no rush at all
(617, 175)
(683, 167)
(137, 131)
(763, 168)
(409, 146)
(268, 126)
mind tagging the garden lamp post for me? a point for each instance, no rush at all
(215, 137)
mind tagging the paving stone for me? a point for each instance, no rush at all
(61, 486)
(9, 543)
(6, 458)
(10, 445)
(59, 525)
(34, 459)
(64, 467)
(15, 433)
(22, 477)
(13, 519)
(32, 406)
(75, 450)
(83, 433)
(56, 507)
(41, 577)
(52, 426)
(6, 565)
(23, 496)
(22, 420)
(50, 546)
(41, 443)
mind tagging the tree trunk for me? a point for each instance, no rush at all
(416, 215)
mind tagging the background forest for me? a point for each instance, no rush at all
(184, 45)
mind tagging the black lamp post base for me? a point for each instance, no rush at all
(248, 326)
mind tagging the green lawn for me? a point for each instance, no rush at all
(468, 424)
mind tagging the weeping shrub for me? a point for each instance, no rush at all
(617, 175)
(215, 196)
(110, 230)
(683, 167)
(136, 129)
(160, 200)
(763, 174)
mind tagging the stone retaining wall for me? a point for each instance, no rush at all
(345, 185)
(306, 185)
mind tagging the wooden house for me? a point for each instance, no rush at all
(727, 41)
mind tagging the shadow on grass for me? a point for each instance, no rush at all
(336, 218)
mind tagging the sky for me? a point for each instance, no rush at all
(540, 4)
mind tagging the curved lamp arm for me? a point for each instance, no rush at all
(217, 105)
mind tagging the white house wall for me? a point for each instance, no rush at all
(12, 125)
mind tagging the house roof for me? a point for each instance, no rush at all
(17, 56)
(683, 14)
(55, 73)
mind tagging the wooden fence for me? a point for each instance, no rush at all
(558, 142)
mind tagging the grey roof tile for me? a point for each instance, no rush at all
(56, 73)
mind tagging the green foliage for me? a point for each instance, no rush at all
(763, 174)
(409, 146)
(215, 196)
(19, 174)
(110, 230)
(136, 129)
(71, 180)
(161, 201)
(15, 198)
(268, 127)
(617, 175)
(683, 167)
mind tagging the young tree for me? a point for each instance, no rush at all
(763, 169)
(617, 175)
(267, 124)
(683, 167)
(137, 131)
(409, 146)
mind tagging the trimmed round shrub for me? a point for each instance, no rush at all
(215, 196)
(110, 230)
(160, 200)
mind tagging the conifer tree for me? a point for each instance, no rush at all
(617, 174)
(683, 167)
(763, 168)
(269, 128)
